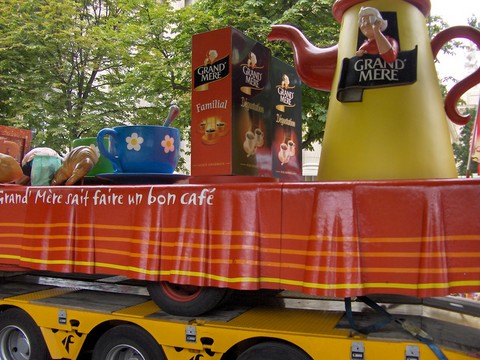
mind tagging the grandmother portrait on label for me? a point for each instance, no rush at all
(372, 25)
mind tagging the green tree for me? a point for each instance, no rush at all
(69, 68)
(64, 66)
(461, 149)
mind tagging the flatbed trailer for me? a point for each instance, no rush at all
(103, 317)
(315, 244)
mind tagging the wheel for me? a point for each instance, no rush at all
(186, 300)
(127, 342)
(20, 337)
(274, 350)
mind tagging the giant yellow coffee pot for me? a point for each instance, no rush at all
(386, 118)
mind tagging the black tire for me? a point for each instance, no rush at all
(127, 342)
(186, 300)
(274, 350)
(20, 337)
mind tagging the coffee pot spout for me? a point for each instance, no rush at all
(315, 66)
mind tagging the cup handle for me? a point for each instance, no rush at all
(104, 151)
(472, 34)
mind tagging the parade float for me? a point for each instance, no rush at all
(386, 216)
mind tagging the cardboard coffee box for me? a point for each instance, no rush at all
(286, 107)
(246, 107)
(231, 127)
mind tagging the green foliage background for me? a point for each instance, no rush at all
(69, 68)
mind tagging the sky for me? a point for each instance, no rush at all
(454, 12)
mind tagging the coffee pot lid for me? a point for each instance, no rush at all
(340, 6)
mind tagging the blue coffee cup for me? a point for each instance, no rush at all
(141, 148)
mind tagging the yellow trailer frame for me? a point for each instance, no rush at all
(71, 320)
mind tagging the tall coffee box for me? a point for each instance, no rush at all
(233, 116)
(286, 108)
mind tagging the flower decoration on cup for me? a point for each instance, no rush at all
(168, 144)
(134, 141)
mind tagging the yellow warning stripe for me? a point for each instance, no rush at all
(281, 252)
(280, 281)
(474, 237)
(144, 244)
(285, 265)
(142, 228)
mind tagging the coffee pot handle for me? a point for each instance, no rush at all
(472, 34)
(104, 151)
